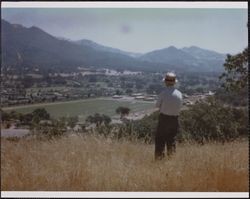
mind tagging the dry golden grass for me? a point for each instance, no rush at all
(94, 163)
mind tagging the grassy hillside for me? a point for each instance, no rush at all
(94, 163)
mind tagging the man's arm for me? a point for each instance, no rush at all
(159, 101)
(181, 99)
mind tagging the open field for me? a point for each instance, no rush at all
(84, 108)
(94, 163)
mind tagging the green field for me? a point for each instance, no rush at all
(84, 108)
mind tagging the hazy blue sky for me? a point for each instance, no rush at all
(141, 29)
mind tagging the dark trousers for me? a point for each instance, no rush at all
(167, 129)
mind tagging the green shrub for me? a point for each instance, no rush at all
(211, 120)
(51, 129)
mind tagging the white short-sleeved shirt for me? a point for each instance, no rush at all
(170, 101)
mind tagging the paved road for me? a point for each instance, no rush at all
(14, 132)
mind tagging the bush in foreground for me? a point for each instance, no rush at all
(211, 120)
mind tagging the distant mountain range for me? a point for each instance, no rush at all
(33, 47)
(96, 46)
(195, 57)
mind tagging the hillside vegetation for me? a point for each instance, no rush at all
(94, 163)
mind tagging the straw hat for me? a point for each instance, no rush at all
(170, 77)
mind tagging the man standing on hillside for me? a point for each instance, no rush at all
(169, 104)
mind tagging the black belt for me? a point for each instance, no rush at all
(169, 116)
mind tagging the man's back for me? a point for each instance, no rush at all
(170, 101)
